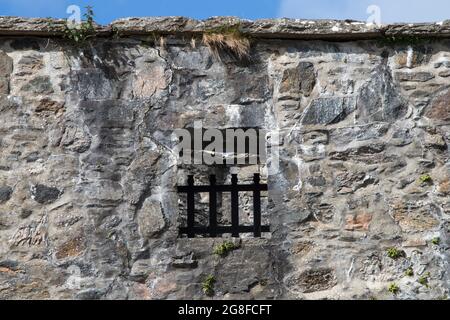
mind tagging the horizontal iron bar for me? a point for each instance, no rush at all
(222, 229)
(229, 188)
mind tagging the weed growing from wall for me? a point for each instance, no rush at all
(224, 248)
(84, 31)
(228, 40)
(208, 285)
(394, 253)
(394, 288)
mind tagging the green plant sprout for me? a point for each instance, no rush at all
(409, 272)
(394, 253)
(436, 241)
(426, 178)
(224, 248)
(208, 285)
(394, 288)
(423, 280)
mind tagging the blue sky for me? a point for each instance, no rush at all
(108, 10)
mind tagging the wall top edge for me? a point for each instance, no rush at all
(264, 28)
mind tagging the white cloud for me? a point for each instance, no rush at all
(391, 10)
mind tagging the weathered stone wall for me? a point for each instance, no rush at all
(88, 201)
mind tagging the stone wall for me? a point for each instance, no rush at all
(88, 201)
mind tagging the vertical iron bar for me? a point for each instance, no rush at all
(256, 206)
(190, 207)
(212, 207)
(234, 206)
